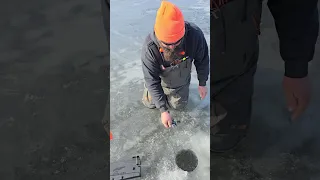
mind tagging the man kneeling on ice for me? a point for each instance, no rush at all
(167, 56)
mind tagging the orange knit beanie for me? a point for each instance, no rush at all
(169, 25)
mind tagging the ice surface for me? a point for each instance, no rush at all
(136, 129)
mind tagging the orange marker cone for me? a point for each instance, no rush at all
(111, 137)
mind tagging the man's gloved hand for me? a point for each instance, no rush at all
(166, 119)
(297, 92)
(202, 91)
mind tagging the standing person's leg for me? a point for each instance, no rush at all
(106, 119)
(232, 113)
(217, 114)
(105, 10)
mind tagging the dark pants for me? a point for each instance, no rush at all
(232, 105)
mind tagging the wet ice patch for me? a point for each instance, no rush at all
(200, 144)
(121, 75)
(175, 174)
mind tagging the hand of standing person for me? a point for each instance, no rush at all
(166, 119)
(202, 91)
(297, 92)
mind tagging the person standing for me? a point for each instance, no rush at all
(235, 27)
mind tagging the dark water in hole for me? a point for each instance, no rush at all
(187, 160)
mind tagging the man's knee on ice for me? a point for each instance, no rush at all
(147, 100)
(178, 104)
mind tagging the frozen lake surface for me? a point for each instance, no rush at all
(136, 129)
